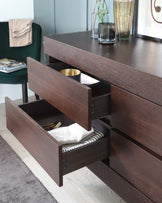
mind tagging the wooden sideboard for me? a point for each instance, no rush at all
(126, 106)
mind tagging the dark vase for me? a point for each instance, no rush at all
(106, 33)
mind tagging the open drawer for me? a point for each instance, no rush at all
(26, 121)
(77, 101)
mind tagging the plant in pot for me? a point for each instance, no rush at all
(97, 16)
(106, 30)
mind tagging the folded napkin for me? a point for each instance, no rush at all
(20, 32)
(71, 134)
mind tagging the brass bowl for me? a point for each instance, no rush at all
(72, 73)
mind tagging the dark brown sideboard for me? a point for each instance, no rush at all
(126, 106)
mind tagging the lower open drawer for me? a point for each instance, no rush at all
(26, 121)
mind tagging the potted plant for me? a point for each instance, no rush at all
(106, 30)
(100, 10)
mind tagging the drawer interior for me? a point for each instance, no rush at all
(44, 113)
(100, 92)
(99, 88)
(41, 113)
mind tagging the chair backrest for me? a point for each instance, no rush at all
(20, 53)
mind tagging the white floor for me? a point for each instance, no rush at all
(79, 186)
(12, 91)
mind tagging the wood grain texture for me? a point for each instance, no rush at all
(82, 157)
(138, 118)
(123, 188)
(74, 99)
(123, 65)
(101, 106)
(45, 149)
(83, 183)
(134, 52)
(24, 121)
(39, 108)
(94, 152)
(67, 95)
(137, 166)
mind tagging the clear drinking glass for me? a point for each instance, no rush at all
(123, 17)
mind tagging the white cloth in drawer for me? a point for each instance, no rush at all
(71, 134)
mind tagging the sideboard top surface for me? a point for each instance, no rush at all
(134, 65)
(143, 55)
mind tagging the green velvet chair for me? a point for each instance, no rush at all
(19, 54)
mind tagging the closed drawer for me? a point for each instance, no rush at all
(138, 118)
(26, 121)
(136, 165)
(77, 101)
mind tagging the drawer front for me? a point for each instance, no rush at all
(118, 184)
(138, 118)
(92, 153)
(72, 98)
(67, 95)
(43, 148)
(25, 122)
(136, 165)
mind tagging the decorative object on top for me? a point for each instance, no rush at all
(104, 30)
(99, 15)
(106, 33)
(123, 17)
(148, 19)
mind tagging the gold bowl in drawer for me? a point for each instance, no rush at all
(72, 73)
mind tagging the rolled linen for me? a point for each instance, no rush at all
(71, 134)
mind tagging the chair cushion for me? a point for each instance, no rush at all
(17, 77)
